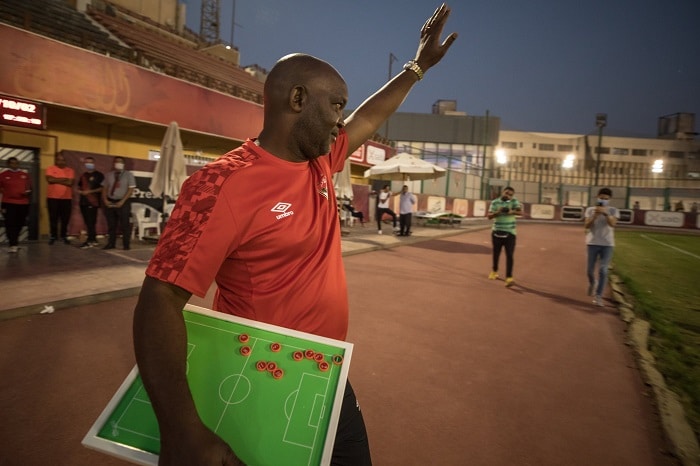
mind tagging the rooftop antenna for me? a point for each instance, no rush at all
(209, 21)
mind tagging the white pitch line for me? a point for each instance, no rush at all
(672, 247)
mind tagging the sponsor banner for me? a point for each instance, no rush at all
(572, 213)
(460, 207)
(658, 218)
(358, 155)
(436, 204)
(626, 216)
(374, 154)
(479, 208)
(542, 211)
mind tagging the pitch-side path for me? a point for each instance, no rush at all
(450, 368)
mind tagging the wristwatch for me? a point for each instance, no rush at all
(413, 66)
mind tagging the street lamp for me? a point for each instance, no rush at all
(601, 119)
(392, 59)
(501, 157)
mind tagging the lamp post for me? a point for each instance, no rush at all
(392, 59)
(601, 120)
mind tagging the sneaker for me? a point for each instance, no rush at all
(598, 301)
(510, 281)
(493, 275)
(591, 288)
(85, 245)
(93, 243)
(379, 232)
(13, 249)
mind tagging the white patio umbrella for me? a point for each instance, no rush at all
(343, 183)
(405, 167)
(170, 171)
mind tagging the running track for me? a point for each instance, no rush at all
(450, 368)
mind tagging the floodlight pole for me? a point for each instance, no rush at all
(392, 59)
(601, 120)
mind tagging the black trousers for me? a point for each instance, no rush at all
(59, 212)
(90, 217)
(500, 240)
(380, 213)
(15, 216)
(351, 447)
(405, 224)
(118, 220)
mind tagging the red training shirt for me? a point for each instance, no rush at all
(14, 186)
(267, 231)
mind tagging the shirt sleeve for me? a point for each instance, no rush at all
(338, 152)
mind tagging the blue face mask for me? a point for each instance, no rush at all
(90, 166)
(603, 202)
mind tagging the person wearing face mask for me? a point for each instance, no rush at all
(504, 211)
(59, 198)
(116, 193)
(90, 190)
(15, 189)
(600, 221)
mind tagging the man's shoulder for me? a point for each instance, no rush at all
(226, 166)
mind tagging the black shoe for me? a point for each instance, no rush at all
(109, 246)
(85, 245)
(66, 241)
(52, 240)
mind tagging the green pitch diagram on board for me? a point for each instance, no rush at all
(273, 394)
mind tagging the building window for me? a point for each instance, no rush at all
(565, 147)
(620, 151)
(676, 154)
(603, 150)
(639, 152)
(546, 146)
(509, 145)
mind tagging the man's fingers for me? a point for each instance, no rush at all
(449, 40)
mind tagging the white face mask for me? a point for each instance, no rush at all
(603, 202)
(119, 166)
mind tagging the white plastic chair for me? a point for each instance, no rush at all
(145, 218)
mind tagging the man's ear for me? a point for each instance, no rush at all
(297, 98)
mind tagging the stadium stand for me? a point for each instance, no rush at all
(163, 51)
(134, 38)
(59, 21)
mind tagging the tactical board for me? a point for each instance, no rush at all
(272, 393)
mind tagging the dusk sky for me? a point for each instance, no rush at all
(539, 65)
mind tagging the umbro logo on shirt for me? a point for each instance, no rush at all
(283, 208)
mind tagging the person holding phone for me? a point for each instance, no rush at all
(504, 211)
(600, 221)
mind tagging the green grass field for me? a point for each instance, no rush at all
(661, 272)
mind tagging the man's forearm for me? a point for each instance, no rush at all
(160, 346)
